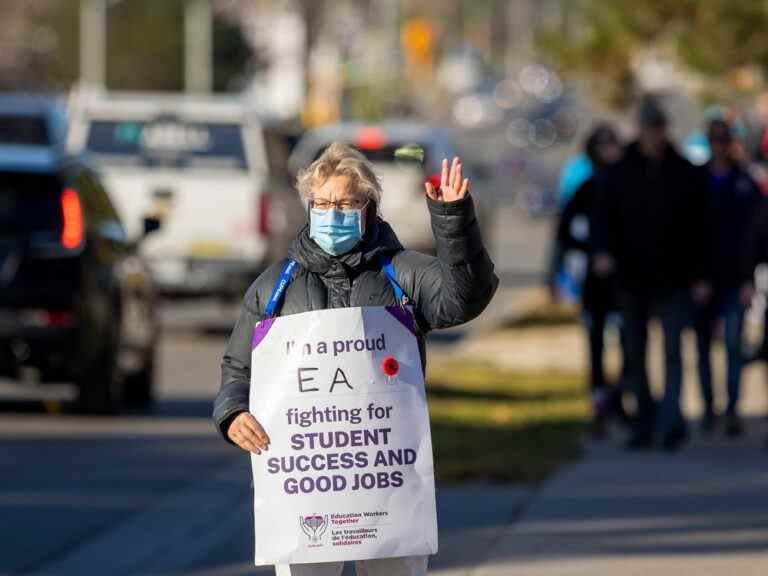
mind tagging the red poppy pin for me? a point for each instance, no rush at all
(390, 366)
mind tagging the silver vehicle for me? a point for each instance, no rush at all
(197, 164)
(402, 180)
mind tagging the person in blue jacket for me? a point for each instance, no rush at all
(734, 200)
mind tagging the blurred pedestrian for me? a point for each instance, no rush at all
(760, 251)
(760, 247)
(651, 229)
(733, 198)
(574, 241)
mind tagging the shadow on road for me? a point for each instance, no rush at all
(181, 408)
(173, 408)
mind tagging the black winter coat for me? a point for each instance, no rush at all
(760, 235)
(734, 208)
(445, 291)
(652, 218)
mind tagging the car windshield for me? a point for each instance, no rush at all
(30, 205)
(23, 130)
(168, 143)
(386, 154)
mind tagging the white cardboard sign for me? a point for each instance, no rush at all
(349, 472)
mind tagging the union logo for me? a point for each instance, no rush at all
(314, 526)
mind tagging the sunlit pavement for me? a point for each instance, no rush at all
(702, 511)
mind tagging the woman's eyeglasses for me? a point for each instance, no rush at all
(350, 204)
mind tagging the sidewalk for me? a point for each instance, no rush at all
(702, 511)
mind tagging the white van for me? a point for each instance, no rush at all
(197, 164)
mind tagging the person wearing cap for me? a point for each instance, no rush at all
(346, 256)
(734, 199)
(650, 230)
(574, 238)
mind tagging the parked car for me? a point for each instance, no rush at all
(402, 181)
(76, 301)
(196, 163)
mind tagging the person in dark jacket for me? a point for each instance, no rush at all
(598, 294)
(650, 230)
(734, 200)
(760, 252)
(340, 266)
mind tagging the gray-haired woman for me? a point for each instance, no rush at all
(339, 254)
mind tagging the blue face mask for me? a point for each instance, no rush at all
(336, 231)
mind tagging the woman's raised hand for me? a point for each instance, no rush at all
(247, 433)
(452, 187)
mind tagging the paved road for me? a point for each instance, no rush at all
(65, 479)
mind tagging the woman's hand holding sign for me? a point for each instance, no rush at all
(452, 187)
(247, 433)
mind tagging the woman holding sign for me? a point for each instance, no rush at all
(322, 379)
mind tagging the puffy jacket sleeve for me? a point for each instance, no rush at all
(236, 365)
(458, 284)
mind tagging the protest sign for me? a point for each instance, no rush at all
(349, 473)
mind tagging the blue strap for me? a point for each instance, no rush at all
(279, 290)
(389, 270)
(287, 275)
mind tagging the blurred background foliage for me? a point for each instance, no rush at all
(722, 39)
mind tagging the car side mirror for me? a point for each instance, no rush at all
(151, 224)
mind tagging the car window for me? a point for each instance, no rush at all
(23, 130)
(30, 205)
(382, 155)
(168, 143)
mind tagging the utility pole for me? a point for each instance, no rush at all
(391, 18)
(498, 25)
(520, 35)
(93, 43)
(198, 46)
